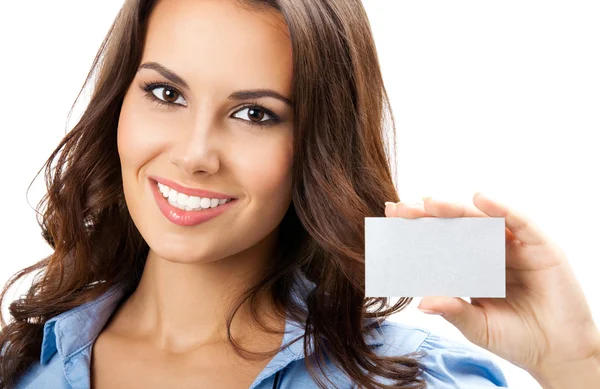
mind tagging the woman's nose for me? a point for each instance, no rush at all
(198, 151)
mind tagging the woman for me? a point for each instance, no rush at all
(206, 215)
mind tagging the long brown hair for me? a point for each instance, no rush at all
(341, 174)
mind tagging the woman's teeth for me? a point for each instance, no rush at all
(189, 203)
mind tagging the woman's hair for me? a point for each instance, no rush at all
(341, 174)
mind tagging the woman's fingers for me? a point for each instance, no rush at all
(515, 222)
(520, 227)
(390, 209)
(430, 208)
(468, 318)
(444, 209)
(411, 211)
(404, 210)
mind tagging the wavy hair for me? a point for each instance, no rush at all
(342, 173)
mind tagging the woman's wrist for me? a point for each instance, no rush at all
(584, 373)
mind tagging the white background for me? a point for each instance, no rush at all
(498, 97)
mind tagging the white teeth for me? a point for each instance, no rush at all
(194, 202)
(172, 195)
(189, 203)
(163, 189)
(182, 199)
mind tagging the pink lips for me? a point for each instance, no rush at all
(187, 218)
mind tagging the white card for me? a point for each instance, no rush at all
(431, 256)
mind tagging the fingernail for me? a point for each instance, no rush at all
(430, 312)
(390, 205)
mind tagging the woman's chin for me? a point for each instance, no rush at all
(182, 254)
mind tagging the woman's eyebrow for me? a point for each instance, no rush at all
(238, 95)
(167, 73)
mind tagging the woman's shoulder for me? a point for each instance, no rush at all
(447, 363)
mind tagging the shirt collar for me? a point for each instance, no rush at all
(74, 330)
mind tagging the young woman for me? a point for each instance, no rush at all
(206, 215)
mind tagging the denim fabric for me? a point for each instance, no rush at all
(67, 342)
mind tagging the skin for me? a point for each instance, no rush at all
(171, 331)
(544, 325)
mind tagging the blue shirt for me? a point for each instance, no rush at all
(67, 343)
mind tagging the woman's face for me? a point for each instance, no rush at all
(186, 122)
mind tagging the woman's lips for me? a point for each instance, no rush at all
(186, 218)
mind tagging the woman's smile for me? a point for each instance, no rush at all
(184, 208)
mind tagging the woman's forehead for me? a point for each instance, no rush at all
(221, 41)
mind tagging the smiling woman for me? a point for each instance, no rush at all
(206, 213)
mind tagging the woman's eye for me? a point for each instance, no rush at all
(165, 95)
(168, 95)
(256, 114)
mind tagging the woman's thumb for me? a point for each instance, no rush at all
(468, 318)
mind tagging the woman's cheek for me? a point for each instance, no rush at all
(140, 136)
(265, 171)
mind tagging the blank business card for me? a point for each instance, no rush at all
(430, 256)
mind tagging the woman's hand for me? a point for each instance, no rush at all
(544, 323)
